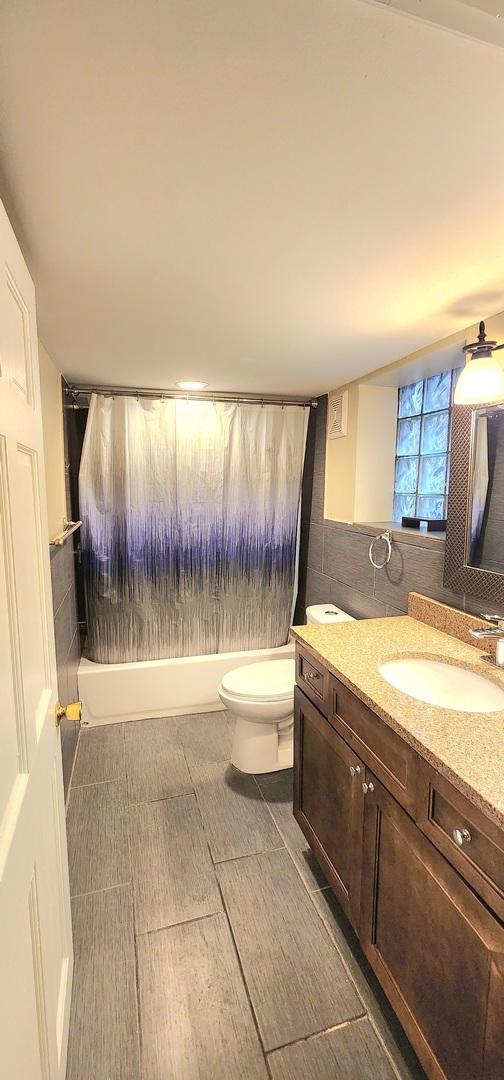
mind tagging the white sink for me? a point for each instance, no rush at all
(446, 685)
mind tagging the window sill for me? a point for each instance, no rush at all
(405, 536)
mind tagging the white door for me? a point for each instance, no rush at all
(35, 925)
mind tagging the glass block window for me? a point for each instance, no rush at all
(423, 447)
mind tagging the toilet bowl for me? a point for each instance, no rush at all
(261, 699)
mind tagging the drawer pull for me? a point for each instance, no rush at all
(461, 836)
(368, 787)
(309, 675)
(354, 770)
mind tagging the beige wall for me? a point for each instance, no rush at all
(54, 452)
(359, 477)
(341, 455)
(360, 466)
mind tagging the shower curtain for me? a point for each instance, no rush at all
(190, 515)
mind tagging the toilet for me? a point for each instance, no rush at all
(261, 699)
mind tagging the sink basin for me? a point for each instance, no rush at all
(446, 685)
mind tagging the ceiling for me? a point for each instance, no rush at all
(271, 197)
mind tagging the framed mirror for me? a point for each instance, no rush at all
(474, 558)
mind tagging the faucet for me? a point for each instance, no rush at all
(496, 631)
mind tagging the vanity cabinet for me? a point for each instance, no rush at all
(432, 936)
(437, 951)
(329, 802)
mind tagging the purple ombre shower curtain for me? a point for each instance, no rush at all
(190, 515)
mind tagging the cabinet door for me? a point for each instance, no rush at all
(329, 802)
(438, 952)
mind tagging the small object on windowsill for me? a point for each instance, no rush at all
(433, 524)
(70, 527)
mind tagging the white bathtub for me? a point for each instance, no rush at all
(113, 693)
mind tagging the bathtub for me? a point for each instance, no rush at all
(113, 693)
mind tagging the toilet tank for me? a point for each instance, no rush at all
(323, 614)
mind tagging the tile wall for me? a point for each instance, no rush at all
(334, 565)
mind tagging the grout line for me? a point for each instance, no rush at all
(243, 977)
(319, 1034)
(180, 922)
(250, 854)
(107, 888)
(163, 798)
(98, 783)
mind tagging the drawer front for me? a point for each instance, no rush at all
(313, 679)
(471, 842)
(389, 757)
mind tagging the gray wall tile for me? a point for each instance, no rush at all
(346, 558)
(315, 547)
(68, 644)
(412, 569)
(360, 605)
(62, 572)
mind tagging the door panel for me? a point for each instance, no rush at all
(328, 801)
(35, 926)
(431, 942)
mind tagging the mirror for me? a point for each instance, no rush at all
(485, 536)
(474, 553)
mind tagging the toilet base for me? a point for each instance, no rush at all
(262, 748)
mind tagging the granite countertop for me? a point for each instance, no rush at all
(467, 748)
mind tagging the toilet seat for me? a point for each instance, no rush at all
(271, 680)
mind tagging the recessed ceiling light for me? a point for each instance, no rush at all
(191, 384)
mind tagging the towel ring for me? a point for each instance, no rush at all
(387, 537)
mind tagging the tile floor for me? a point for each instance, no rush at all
(207, 943)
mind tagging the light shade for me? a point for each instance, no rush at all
(481, 382)
(191, 384)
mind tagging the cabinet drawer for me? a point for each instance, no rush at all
(471, 842)
(313, 678)
(390, 758)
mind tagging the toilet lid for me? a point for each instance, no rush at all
(272, 680)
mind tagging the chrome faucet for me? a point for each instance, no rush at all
(497, 632)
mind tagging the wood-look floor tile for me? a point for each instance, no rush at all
(97, 833)
(351, 1052)
(100, 755)
(206, 737)
(376, 1004)
(278, 796)
(297, 981)
(196, 1019)
(155, 763)
(236, 819)
(103, 1043)
(173, 876)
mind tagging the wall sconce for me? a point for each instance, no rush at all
(482, 379)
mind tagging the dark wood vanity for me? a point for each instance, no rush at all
(417, 868)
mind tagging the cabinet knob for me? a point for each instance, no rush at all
(461, 836)
(355, 770)
(368, 787)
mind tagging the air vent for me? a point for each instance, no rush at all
(337, 415)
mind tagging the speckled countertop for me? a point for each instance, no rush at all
(467, 748)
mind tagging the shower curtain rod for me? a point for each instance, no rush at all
(73, 390)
